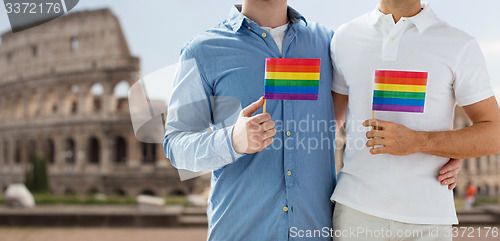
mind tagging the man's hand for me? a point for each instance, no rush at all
(392, 138)
(448, 174)
(252, 134)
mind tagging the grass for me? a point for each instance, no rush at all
(460, 202)
(50, 199)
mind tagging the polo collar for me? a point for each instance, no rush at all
(236, 19)
(423, 20)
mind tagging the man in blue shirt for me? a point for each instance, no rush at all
(269, 176)
(272, 173)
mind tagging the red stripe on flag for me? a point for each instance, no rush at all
(293, 68)
(400, 81)
(302, 62)
(401, 74)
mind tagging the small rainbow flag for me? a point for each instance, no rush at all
(400, 91)
(292, 79)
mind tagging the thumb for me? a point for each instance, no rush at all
(252, 108)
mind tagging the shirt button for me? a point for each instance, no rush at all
(264, 35)
(285, 209)
(248, 21)
(391, 38)
(288, 133)
(249, 28)
(289, 173)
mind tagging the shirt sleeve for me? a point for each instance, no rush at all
(472, 82)
(191, 140)
(339, 84)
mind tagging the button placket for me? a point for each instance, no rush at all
(392, 40)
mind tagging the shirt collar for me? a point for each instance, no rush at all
(236, 19)
(423, 20)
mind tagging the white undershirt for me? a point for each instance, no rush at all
(278, 35)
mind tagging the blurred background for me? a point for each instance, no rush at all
(66, 132)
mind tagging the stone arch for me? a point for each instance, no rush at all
(18, 107)
(69, 151)
(51, 101)
(178, 192)
(75, 44)
(72, 100)
(6, 152)
(94, 151)
(7, 112)
(34, 104)
(31, 149)
(95, 97)
(49, 151)
(17, 152)
(120, 150)
(120, 192)
(148, 191)
(148, 153)
(120, 96)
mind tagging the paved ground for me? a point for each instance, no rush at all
(101, 234)
(144, 234)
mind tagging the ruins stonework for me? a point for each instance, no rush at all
(60, 99)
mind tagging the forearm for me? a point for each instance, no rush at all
(480, 139)
(200, 151)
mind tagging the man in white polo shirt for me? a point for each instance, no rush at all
(422, 67)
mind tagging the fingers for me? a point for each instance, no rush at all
(260, 118)
(375, 142)
(252, 108)
(375, 133)
(451, 165)
(267, 142)
(378, 150)
(376, 123)
(268, 125)
(449, 181)
(452, 186)
(268, 134)
(449, 174)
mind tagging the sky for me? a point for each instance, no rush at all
(156, 30)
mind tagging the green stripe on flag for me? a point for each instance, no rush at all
(291, 83)
(398, 94)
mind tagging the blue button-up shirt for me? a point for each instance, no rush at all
(282, 192)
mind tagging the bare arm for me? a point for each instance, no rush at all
(340, 107)
(480, 139)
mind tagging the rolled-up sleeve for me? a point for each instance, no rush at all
(192, 140)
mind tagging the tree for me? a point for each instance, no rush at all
(37, 180)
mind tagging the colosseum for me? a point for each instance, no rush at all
(63, 96)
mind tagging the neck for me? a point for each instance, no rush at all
(400, 8)
(266, 13)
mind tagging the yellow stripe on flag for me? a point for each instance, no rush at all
(292, 76)
(405, 88)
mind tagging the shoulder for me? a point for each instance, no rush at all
(454, 36)
(358, 24)
(205, 39)
(316, 29)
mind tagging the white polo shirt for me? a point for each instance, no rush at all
(403, 188)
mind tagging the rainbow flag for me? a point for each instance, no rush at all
(400, 91)
(292, 79)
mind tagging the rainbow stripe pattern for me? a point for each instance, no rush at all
(292, 79)
(400, 91)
